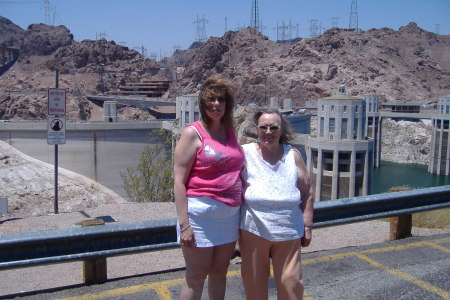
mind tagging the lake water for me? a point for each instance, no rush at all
(415, 176)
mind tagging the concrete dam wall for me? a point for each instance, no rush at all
(100, 151)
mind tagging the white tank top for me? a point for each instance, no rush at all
(271, 207)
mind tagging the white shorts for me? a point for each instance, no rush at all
(214, 223)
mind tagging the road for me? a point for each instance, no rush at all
(413, 268)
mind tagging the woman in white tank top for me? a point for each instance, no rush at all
(277, 213)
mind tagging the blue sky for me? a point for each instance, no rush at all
(160, 26)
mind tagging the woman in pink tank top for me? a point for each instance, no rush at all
(208, 191)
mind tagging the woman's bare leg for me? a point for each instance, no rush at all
(198, 262)
(255, 268)
(287, 270)
(217, 275)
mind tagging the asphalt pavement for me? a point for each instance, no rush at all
(412, 268)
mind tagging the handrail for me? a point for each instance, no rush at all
(75, 244)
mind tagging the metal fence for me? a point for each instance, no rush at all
(99, 242)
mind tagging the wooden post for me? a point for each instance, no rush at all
(400, 227)
(95, 269)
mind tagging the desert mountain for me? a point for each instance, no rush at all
(408, 65)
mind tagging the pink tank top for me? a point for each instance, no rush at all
(216, 170)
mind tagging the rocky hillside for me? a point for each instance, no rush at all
(406, 142)
(408, 65)
(86, 67)
(29, 186)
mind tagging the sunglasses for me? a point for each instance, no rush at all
(271, 128)
(213, 99)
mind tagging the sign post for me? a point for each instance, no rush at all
(56, 126)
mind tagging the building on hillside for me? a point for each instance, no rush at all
(147, 88)
(339, 158)
(440, 142)
(187, 109)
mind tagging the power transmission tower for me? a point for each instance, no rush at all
(255, 22)
(280, 31)
(313, 28)
(289, 30)
(284, 32)
(239, 27)
(437, 28)
(49, 13)
(176, 47)
(101, 86)
(142, 49)
(200, 30)
(334, 22)
(353, 23)
(100, 35)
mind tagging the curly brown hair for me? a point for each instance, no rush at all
(221, 88)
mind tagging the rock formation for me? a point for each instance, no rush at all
(29, 186)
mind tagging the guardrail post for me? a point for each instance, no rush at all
(400, 227)
(94, 270)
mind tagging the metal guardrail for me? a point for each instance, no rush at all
(364, 208)
(84, 243)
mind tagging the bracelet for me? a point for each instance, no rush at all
(184, 229)
(308, 227)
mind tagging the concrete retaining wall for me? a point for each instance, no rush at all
(100, 151)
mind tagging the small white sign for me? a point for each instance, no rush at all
(56, 102)
(56, 131)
